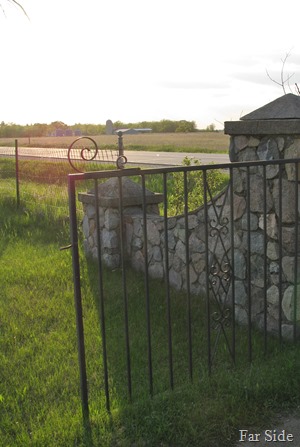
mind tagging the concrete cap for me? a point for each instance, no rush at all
(285, 107)
(109, 193)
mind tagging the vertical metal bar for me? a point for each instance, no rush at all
(209, 353)
(124, 285)
(101, 298)
(17, 173)
(168, 299)
(280, 253)
(232, 262)
(296, 253)
(77, 298)
(188, 286)
(249, 268)
(265, 258)
(147, 294)
(120, 144)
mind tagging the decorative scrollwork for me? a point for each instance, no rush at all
(85, 153)
(78, 155)
(121, 161)
(221, 270)
(221, 319)
(219, 227)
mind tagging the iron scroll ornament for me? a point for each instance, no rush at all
(89, 154)
(121, 161)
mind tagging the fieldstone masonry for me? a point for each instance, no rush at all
(270, 133)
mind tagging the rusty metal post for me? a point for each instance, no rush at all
(17, 173)
(121, 160)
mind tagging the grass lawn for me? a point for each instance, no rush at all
(39, 375)
(39, 383)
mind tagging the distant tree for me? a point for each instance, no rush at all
(185, 126)
(284, 80)
(167, 126)
(211, 128)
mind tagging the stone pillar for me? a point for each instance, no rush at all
(269, 133)
(109, 216)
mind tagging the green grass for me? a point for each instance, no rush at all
(39, 384)
(51, 177)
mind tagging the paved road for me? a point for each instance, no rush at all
(173, 158)
(145, 157)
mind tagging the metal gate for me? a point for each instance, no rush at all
(227, 239)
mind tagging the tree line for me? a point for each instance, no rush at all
(12, 130)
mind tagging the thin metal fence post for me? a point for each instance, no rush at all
(168, 297)
(120, 144)
(147, 290)
(17, 173)
(249, 267)
(265, 258)
(188, 286)
(280, 253)
(296, 253)
(232, 263)
(77, 298)
(101, 298)
(207, 271)
(124, 286)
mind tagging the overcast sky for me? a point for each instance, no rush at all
(92, 60)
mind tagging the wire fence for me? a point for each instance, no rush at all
(38, 176)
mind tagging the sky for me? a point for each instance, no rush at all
(89, 61)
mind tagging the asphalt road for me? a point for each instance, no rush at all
(173, 158)
(144, 157)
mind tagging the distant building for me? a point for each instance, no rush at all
(64, 133)
(133, 131)
(77, 133)
(109, 128)
(59, 133)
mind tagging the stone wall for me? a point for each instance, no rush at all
(190, 240)
(253, 228)
(281, 226)
(177, 237)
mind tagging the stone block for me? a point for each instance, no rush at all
(288, 303)
(109, 239)
(152, 233)
(287, 194)
(175, 279)
(272, 227)
(239, 265)
(156, 270)
(273, 251)
(111, 219)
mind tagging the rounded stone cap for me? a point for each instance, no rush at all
(109, 194)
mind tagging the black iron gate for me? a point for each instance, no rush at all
(220, 240)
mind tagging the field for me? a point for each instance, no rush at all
(184, 142)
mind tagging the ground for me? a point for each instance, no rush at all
(283, 426)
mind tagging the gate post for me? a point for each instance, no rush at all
(77, 299)
(268, 224)
(109, 214)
